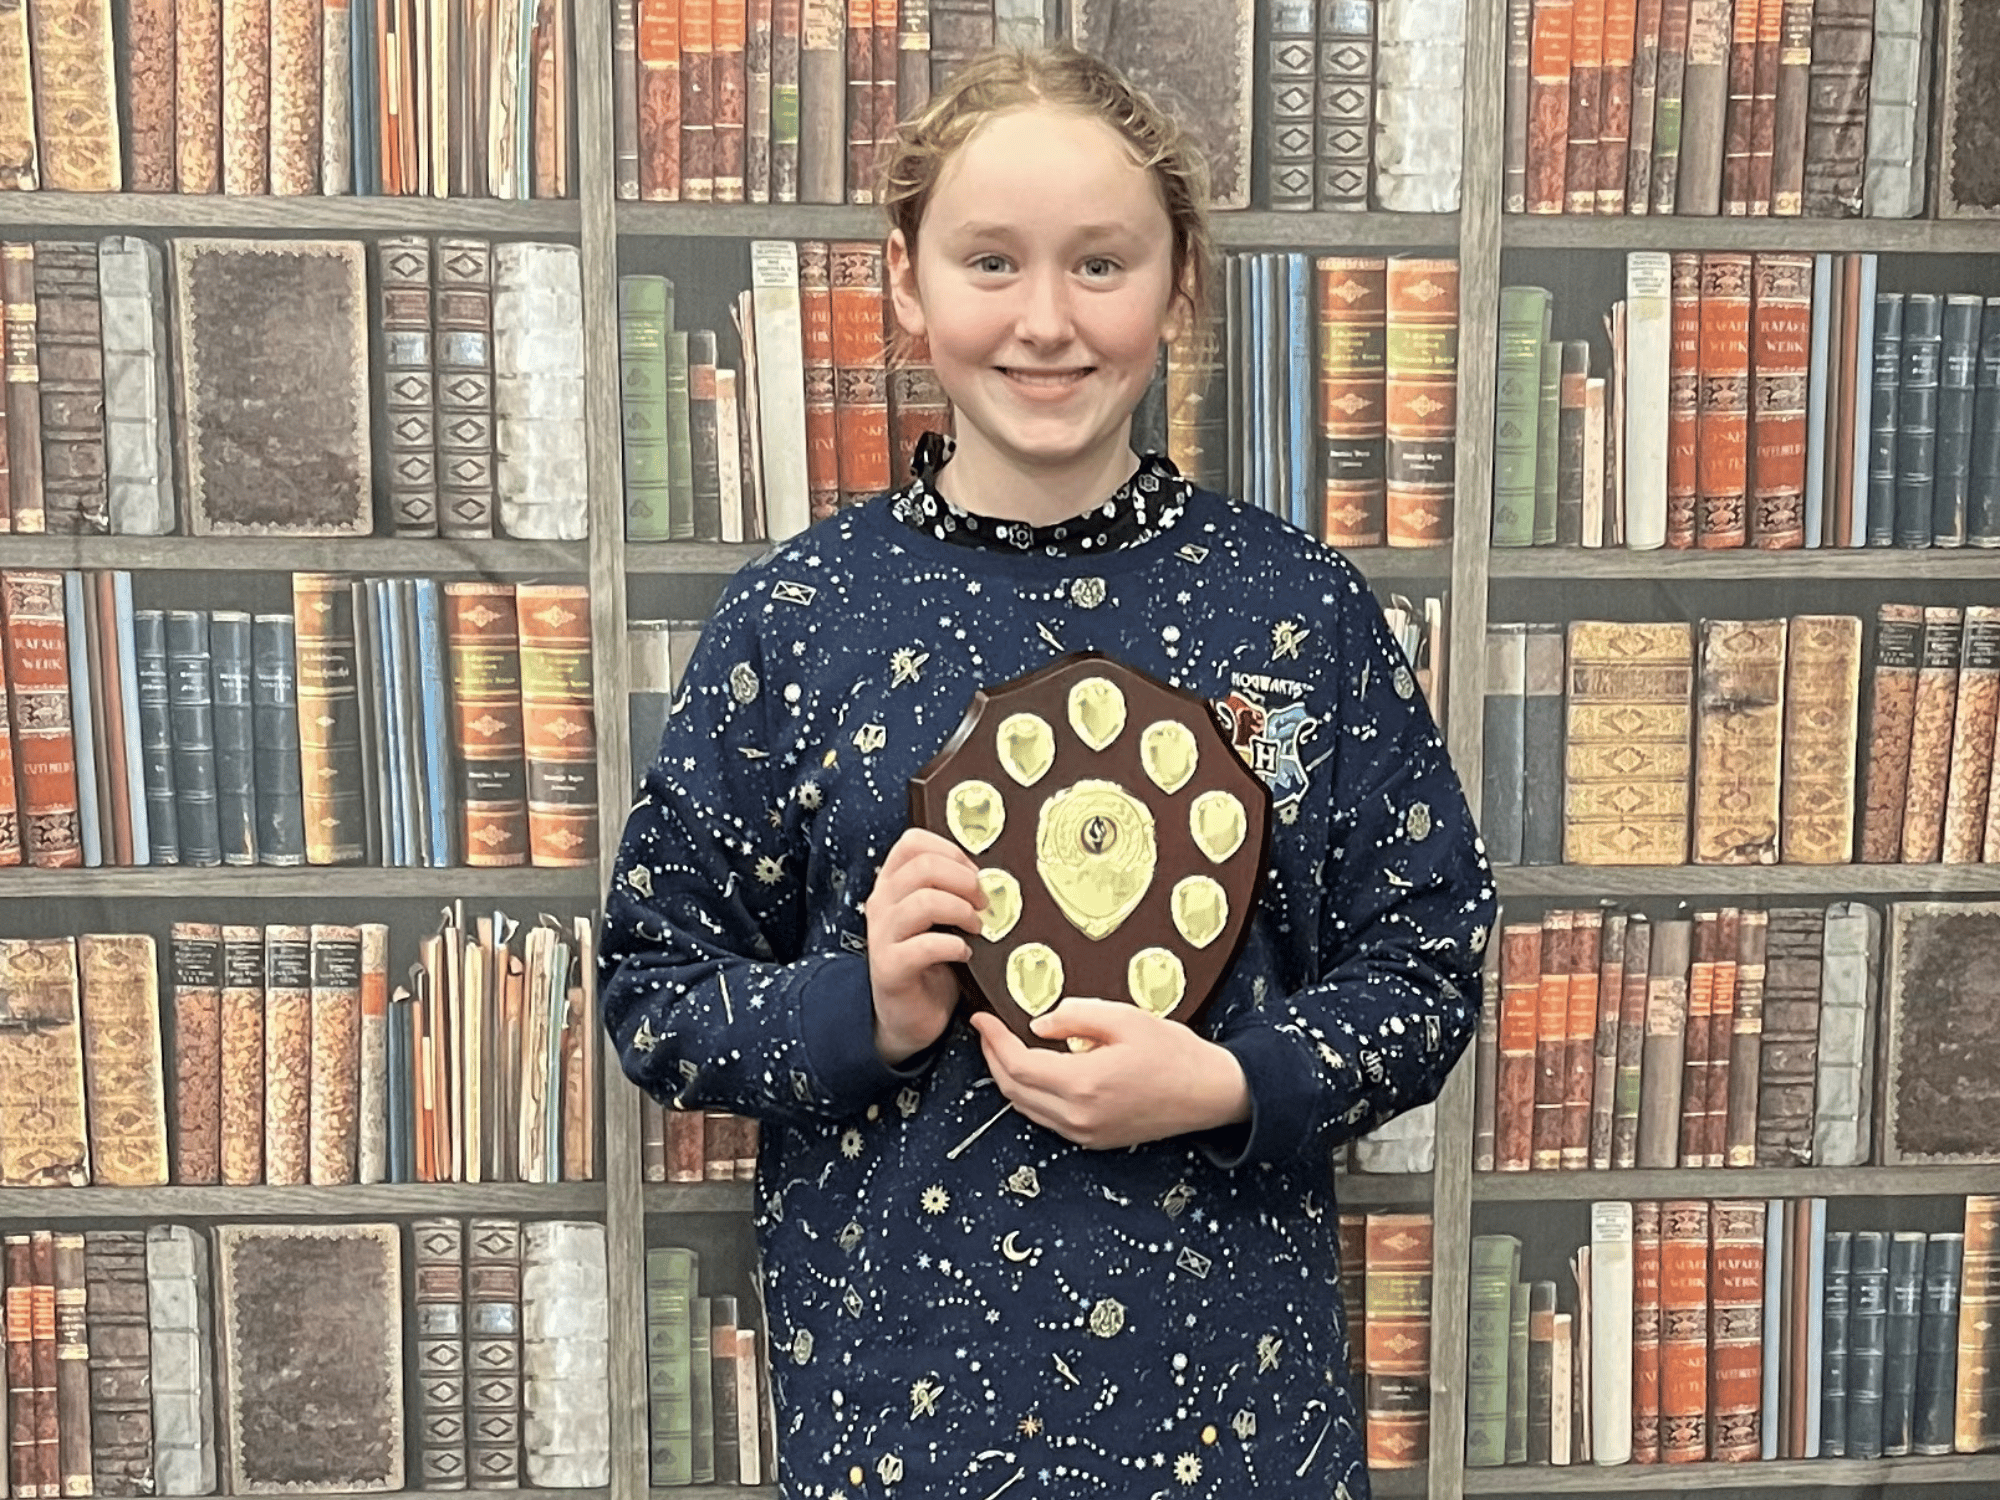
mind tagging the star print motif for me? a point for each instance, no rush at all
(1287, 636)
(935, 1199)
(924, 1397)
(1269, 1347)
(906, 664)
(1187, 1469)
(771, 869)
(1029, 1426)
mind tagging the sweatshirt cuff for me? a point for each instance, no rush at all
(1284, 1095)
(839, 1031)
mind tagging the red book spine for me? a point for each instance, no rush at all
(1782, 362)
(1552, 1039)
(822, 437)
(698, 101)
(860, 101)
(10, 821)
(1586, 78)
(1580, 1038)
(1736, 130)
(1736, 1331)
(1645, 1332)
(1684, 1331)
(1514, 1075)
(1548, 104)
(730, 98)
(660, 100)
(38, 701)
(1614, 130)
(860, 370)
(1723, 402)
(1684, 400)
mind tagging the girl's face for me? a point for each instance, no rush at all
(1043, 282)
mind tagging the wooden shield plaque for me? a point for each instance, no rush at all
(1120, 840)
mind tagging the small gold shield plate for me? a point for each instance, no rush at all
(1096, 849)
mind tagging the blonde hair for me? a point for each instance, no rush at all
(1004, 79)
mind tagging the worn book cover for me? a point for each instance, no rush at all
(1940, 1009)
(1969, 138)
(42, 1140)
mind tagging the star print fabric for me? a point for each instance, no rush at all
(957, 1296)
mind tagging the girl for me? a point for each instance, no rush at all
(991, 1268)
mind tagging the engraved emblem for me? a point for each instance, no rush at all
(1107, 1318)
(1404, 683)
(1218, 824)
(1418, 821)
(787, 592)
(1034, 977)
(1087, 593)
(1096, 849)
(1026, 746)
(1168, 752)
(743, 683)
(1003, 904)
(976, 814)
(802, 1346)
(1097, 711)
(1201, 910)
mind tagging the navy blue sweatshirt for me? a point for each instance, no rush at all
(962, 1303)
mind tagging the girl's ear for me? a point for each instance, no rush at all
(901, 268)
(1180, 313)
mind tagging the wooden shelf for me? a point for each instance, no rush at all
(707, 1492)
(307, 882)
(1589, 882)
(1647, 232)
(698, 1197)
(1662, 566)
(1829, 1473)
(375, 554)
(1398, 1484)
(1740, 1182)
(202, 212)
(681, 558)
(22, 1205)
(1381, 1189)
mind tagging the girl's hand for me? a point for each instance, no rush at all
(1142, 1078)
(926, 882)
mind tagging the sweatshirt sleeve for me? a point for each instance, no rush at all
(707, 990)
(1406, 906)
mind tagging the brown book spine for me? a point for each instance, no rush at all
(1788, 1063)
(124, 1090)
(196, 949)
(48, 1429)
(760, 40)
(24, 402)
(76, 96)
(1899, 634)
(19, 171)
(242, 1055)
(198, 95)
(917, 405)
(1604, 1051)
(1788, 108)
(10, 818)
(1704, 112)
(1739, 1134)
(731, 101)
(1614, 130)
(246, 96)
(559, 731)
(330, 748)
(1580, 1037)
(1646, 1315)
(1515, 1080)
(1420, 401)
(1397, 1387)
(822, 422)
(1736, 1330)
(860, 370)
(1723, 404)
(718, 1140)
(1930, 734)
(462, 346)
(652, 1140)
(913, 58)
(149, 65)
(333, 1109)
(1486, 1065)
(1667, 985)
(1684, 402)
(860, 54)
(1781, 363)
(1552, 1038)
(1572, 401)
(697, 101)
(287, 1054)
(1694, 1044)
(1737, 126)
(884, 70)
(107, 703)
(1626, 763)
(1632, 1018)
(1549, 64)
(1352, 1239)
(70, 353)
(686, 1144)
(1764, 105)
(1684, 1330)
(38, 702)
(1972, 737)
(1586, 79)
(1721, 1037)
(23, 1471)
(72, 1352)
(1645, 100)
(482, 636)
(787, 17)
(1353, 310)
(1739, 742)
(660, 100)
(405, 381)
(1843, 51)
(295, 100)
(121, 1376)
(1975, 1419)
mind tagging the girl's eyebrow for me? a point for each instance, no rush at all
(977, 228)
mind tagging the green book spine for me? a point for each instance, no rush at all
(701, 1361)
(1517, 1373)
(680, 441)
(1547, 453)
(1517, 409)
(670, 1273)
(643, 315)
(1496, 1259)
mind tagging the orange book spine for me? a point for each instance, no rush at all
(246, 96)
(1353, 307)
(1420, 401)
(483, 647)
(38, 700)
(1694, 1055)
(1514, 1072)
(1397, 1337)
(1549, 61)
(1684, 1315)
(1646, 1332)
(1684, 401)
(822, 428)
(1782, 361)
(558, 722)
(10, 821)
(732, 35)
(1736, 1331)
(1723, 403)
(660, 100)
(1552, 1039)
(860, 370)
(1614, 130)
(1580, 1041)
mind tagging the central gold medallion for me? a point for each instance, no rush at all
(1096, 848)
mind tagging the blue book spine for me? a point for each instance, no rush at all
(1774, 1301)
(439, 763)
(1821, 376)
(396, 1084)
(361, 97)
(1887, 369)
(416, 802)
(1958, 370)
(1861, 375)
(128, 696)
(235, 736)
(191, 690)
(1867, 1342)
(1234, 367)
(83, 722)
(1982, 500)
(1833, 1346)
(1899, 1359)
(156, 735)
(1917, 417)
(274, 698)
(1258, 320)
(1937, 1345)
(390, 727)
(1301, 388)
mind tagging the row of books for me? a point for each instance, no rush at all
(1740, 107)
(1768, 400)
(1738, 741)
(295, 1057)
(389, 721)
(1385, 1291)
(1733, 1330)
(1732, 1037)
(175, 1359)
(696, 1145)
(431, 97)
(708, 1386)
(241, 405)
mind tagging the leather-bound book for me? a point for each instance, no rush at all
(121, 1371)
(697, 72)
(437, 1274)
(960, 30)
(38, 702)
(1932, 717)
(76, 96)
(860, 372)
(246, 96)
(406, 382)
(883, 71)
(271, 346)
(373, 1154)
(1723, 400)
(1195, 57)
(723, 1311)
(197, 95)
(1552, 1037)
(659, 100)
(559, 732)
(1668, 972)
(1614, 121)
(1646, 1318)
(538, 471)
(1486, 1064)
(1957, 386)
(1684, 388)
(124, 1087)
(1764, 105)
(1604, 1050)
(1976, 1409)
(1343, 142)
(1684, 1331)
(295, 98)
(1586, 82)
(1916, 418)
(670, 1277)
(69, 352)
(1627, 752)
(482, 636)
(1420, 400)
(318, 1307)
(1736, 1334)
(72, 1356)
(760, 46)
(493, 1352)
(19, 167)
(138, 430)
(1704, 108)
(47, 1419)
(1496, 1261)
(823, 87)
(1843, 49)
(913, 59)
(1503, 741)
(462, 327)
(858, 48)
(1721, 1038)
(1695, 1039)
(234, 735)
(242, 1112)
(1570, 435)
(1867, 1343)
(822, 451)
(1739, 741)
(1937, 1340)
(195, 951)
(728, 99)
(287, 1054)
(191, 713)
(1352, 294)
(1586, 939)
(1789, 107)
(1781, 322)
(156, 736)
(1633, 1014)
(1899, 110)
(274, 715)
(644, 312)
(1972, 737)
(24, 406)
(1638, 163)
(23, 1460)
(565, 1387)
(1746, 1034)
(1285, 106)
(10, 818)
(1788, 1062)
(329, 717)
(1845, 1090)
(43, 1142)
(1669, 100)
(1397, 1395)
(1515, 1078)
(625, 98)
(334, 1106)
(183, 1373)
(1524, 310)
(1822, 703)
(1967, 185)
(1885, 389)
(1899, 638)
(1737, 155)
(1550, 62)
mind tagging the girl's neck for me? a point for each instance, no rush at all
(988, 483)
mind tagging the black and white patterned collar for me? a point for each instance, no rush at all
(1148, 503)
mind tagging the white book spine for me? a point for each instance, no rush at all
(1818, 390)
(1611, 1333)
(1775, 1268)
(1842, 1113)
(565, 1380)
(1419, 85)
(336, 103)
(1017, 23)
(128, 694)
(1561, 1407)
(1862, 375)
(1593, 461)
(138, 450)
(729, 446)
(183, 1376)
(1407, 1143)
(1648, 338)
(781, 385)
(539, 473)
(1894, 185)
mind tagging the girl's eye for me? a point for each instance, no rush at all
(992, 265)
(1099, 265)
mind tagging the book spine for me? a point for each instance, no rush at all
(1647, 1267)
(493, 1348)
(1894, 170)
(462, 343)
(658, 44)
(138, 430)
(884, 66)
(334, 1072)
(1723, 402)
(1614, 129)
(69, 354)
(1626, 789)
(41, 707)
(10, 818)
(1517, 406)
(1836, 1302)
(1899, 1361)
(1515, 1077)
(1739, 1134)
(197, 95)
(1788, 1061)
(1638, 167)
(1782, 292)
(281, 834)
(439, 1338)
(1669, 103)
(196, 953)
(1736, 1335)
(295, 98)
(1504, 740)
(1570, 442)
(1957, 384)
(704, 436)
(1635, 984)
(1549, 67)
(1739, 125)
(482, 632)
(76, 97)
(1822, 704)
(1285, 108)
(192, 711)
(1586, 82)
(1982, 501)
(156, 740)
(1937, 1334)
(235, 736)
(558, 728)
(731, 99)
(1739, 741)
(1789, 108)
(861, 396)
(1580, 1038)
(72, 1364)
(1664, 1044)
(24, 403)
(1764, 105)
(697, 73)
(246, 96)
(1396, 1395)
(858, 48)
(1551, 1038)
(121, 1386)
(760, 42)
(1352, 296)
(625, 98)
(86, 696)
(786, 19)
(1684, 1337)
(1972, 737)
(1486, 1068)
(1884, 413)
(1343, 125)
(329, 718)
(406, 381)
(1843, 47)
(1867, 1343)
(123, 1086)
(643, 303)
(1684, 399)
(242, 1092)
(1704, 108)
(1695, 1038)
(1932, 716)
(670, 1275)
(1917, 418)
(287, 1054)
(1420, 400)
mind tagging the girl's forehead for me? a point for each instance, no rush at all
(1025, 161)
